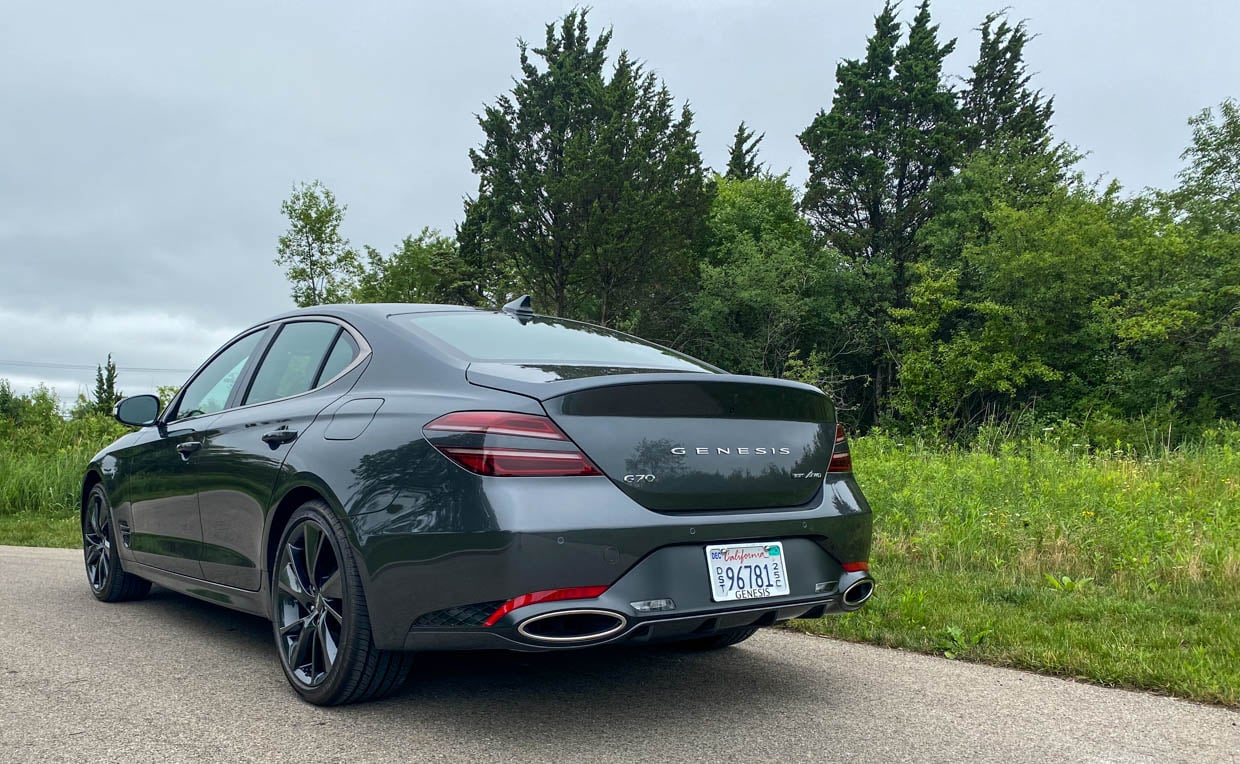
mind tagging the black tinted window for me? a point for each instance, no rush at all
(292, 364)
(208, 392)
(343, 353)
(501, 338)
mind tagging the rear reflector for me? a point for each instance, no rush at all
(514, 458)
(550, 595)
(855, 567)
(841, 457)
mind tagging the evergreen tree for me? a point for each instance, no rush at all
(893, 130)
(591, 187)
(319, 263)
(105, 395)
(998, 105)
(743, 161)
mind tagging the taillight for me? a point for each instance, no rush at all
(841, 458)
(507, 444)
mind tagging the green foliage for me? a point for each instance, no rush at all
(954, 642)
(427, 268)
(591, 187)
(1209, 189)
(893, 130)
(743, 161)
(1067, 584)
(42, 454)
(757, 280)
(105, 395)
(319, 264)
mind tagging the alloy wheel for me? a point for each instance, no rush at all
(309, 603)
(97, 541)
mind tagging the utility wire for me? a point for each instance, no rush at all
(86, 367)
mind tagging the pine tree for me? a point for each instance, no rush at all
(591, 187)
(743, 161)
(105, 396)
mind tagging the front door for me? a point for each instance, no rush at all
(162, 473)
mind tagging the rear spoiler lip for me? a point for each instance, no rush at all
(542, 383)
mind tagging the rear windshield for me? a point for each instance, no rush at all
(500, 338)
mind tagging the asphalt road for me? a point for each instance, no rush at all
(174, 679)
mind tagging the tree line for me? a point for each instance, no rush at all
(945, 264)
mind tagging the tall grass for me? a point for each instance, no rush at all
(41, 465)
(1122, 567)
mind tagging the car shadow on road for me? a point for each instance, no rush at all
(601, 692)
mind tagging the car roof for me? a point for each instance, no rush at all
(377, 310)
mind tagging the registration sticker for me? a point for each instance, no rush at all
(747, 571)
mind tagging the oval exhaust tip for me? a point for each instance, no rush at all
(568, 626)
(856, 595)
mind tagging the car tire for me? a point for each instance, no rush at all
(719, 640)
(108, 580)
(319, 617)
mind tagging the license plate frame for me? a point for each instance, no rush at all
(745, 571)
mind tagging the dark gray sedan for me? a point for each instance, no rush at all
(381, 480)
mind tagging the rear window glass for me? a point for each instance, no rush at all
(500, 338)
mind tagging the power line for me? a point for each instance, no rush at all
(86, 367)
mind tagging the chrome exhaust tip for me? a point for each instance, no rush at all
(857, 593)
(564, 627)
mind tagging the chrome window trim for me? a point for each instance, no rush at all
(364, 351)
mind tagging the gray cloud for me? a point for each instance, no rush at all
(145, 148)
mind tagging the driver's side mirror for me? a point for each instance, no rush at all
(138, 411)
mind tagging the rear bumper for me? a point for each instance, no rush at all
(433, 591)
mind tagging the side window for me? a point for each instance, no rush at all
(208, 392)
(343, 353)
(292, 364)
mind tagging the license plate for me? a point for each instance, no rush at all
(746, 571)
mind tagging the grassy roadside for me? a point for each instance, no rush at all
(40, 529)
(1112, 569)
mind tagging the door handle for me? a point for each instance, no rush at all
(188, 447)
(277, 437)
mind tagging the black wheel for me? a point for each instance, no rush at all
(322, 627)
(108, 581)
(719, 640)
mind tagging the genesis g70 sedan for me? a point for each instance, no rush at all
(384, 480)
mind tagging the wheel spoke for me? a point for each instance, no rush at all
(291, 584)
(105, 567)
(300, 623)
(297, 654)
(333, 612)
(313, 537)
(331, 588)
(325, 656)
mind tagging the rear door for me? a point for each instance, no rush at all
(244, 449)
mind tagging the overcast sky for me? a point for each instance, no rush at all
(145, 147)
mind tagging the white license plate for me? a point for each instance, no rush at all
(746, 571)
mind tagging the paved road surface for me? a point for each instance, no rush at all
(174, 679)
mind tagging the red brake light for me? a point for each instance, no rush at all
(513, 458)
(841, 457)
(550, 595)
